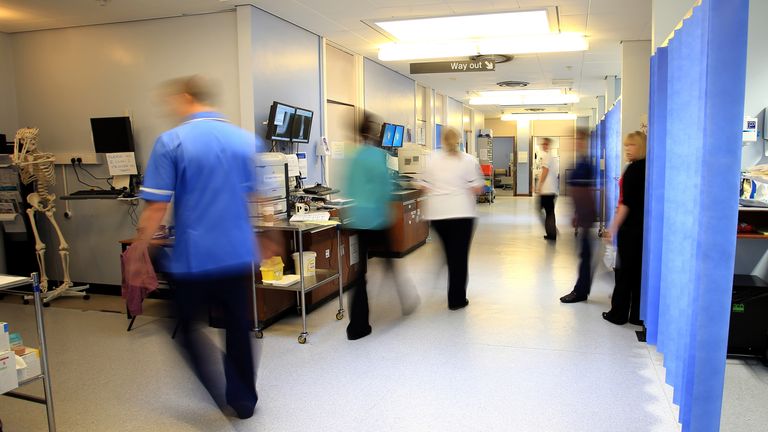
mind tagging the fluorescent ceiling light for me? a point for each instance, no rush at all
(545, 43)
(468, 27)
(524, 97)
(545, 116)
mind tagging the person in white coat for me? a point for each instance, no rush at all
(452, 182)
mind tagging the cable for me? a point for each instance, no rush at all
(74, 167)
(80, 165)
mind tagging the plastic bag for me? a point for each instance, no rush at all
(609, 257)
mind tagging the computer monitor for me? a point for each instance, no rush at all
(397, 140)
(5, 146)
(280, 123)
(302, 126)
(387, 135)
(112, 134)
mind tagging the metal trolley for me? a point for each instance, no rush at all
(47, 400)
(306, 283)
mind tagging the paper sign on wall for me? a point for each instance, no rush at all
(122, 163)
(337, 150)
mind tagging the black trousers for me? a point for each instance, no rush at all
(456, 235)
(358, 308)
(584, 282)
(625, 302)
(194, 297)
(547, 203)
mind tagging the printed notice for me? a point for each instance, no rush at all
(337, 150)
(354, 252)
(122, 163)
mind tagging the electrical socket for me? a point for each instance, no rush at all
(327, 253)
(65, 158)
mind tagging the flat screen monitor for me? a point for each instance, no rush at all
(280, 123)
(302, 126)
(397, 140)
(5, 146)
(112, 134)
(387, 135)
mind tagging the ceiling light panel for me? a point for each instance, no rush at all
(468, 26)
(545, 116)
(524, 97)
(547, 43)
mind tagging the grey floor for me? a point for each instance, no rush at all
(514, 360)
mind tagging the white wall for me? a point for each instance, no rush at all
(455, 111)
(666, 15)
(286, 68)
(635, 85)
(64, 77)
(390, 95)
(9, 120)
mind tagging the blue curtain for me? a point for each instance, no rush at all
(696, 112)
(613, 145)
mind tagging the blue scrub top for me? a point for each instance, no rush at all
(206, 165)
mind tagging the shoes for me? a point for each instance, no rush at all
(459, 306)
(611, 319)
(573, 298)
(354, 333)
(637, 322)
(550, 238)
(243, 410)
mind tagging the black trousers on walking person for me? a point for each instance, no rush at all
(584, 282)
(625, 302)
(359, 324)
(194, 298)
(456, 235)
(547, 203)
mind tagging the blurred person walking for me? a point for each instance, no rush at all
(627, 229)
(547, 188)
(452, 182)
(581, 186)
(206, 165)
(370, 186)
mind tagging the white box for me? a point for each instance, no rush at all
(5, 337)
(9, 379)
(33, 369)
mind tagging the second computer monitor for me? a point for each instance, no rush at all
(397, 140)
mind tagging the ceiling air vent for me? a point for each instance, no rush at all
(513, 84)
(496, 58)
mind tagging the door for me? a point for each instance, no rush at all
(502, 150)
(523, 160)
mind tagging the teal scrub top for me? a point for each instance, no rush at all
(369, 184)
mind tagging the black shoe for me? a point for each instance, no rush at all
(551, 238)
(354, 333)
(611, 319)
(243, 410)
(637, 322)
(573, 298)
(459, 306)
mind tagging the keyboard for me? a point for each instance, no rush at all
(318, 190)
(97, 192)
(311, 217)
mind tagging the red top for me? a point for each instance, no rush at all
(621, 190)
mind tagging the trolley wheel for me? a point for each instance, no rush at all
(259, 334)
(339, 315)
(25, 301)
(302, 339)
(87, 297)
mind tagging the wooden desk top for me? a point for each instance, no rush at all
(153, 242)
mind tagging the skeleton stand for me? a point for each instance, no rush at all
(38, 168)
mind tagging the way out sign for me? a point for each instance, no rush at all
(453, 67)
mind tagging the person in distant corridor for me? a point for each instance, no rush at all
(452, 182)
(627, 228)
(547, 188)
(206, 165)
(370, 186)
(581, 186)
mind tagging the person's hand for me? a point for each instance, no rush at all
(575, 222)
(608, 236)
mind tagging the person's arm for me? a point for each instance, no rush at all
(544, 174)
(478, 181)
(157, 190)
(618, 220)
(150, 221)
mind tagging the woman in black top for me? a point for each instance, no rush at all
(627, 226)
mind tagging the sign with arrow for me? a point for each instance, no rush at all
(453, 67)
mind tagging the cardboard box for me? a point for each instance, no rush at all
(5, 338)
(9, 379)
(33, 369)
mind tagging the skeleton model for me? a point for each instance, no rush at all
(37, 168)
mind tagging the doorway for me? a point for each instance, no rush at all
(523, 161)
